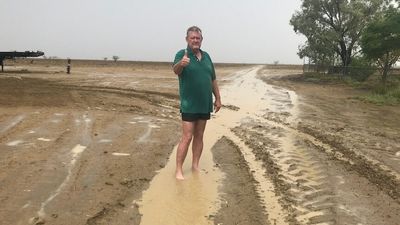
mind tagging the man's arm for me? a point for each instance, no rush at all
(217, 102)
(178, 67)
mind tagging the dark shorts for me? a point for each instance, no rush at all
(190, 117)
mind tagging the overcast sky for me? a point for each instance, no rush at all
(238, 31)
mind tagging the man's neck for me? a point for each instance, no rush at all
(196, 51)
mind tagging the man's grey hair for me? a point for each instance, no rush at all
(193, 29)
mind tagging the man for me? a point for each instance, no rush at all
(197, 83)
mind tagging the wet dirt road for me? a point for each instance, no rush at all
(99, 147)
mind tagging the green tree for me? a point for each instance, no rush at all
(381, 41)
(115, 58)
(333, 27)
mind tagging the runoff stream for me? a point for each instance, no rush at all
(196, 199)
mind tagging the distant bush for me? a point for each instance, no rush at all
(115, 58)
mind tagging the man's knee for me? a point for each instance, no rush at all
(187, 138)
(198, 135)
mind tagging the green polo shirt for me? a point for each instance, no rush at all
(195, 83)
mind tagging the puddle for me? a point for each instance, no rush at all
(26, 205)
(121, 154)
(87, 120)
(191, 201)
(14, 143)
(43, 139)
(105, 141)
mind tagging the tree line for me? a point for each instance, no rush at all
(346, 31)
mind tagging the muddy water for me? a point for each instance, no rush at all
(195, 200)
(191, 201)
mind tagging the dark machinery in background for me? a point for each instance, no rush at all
(12, 55)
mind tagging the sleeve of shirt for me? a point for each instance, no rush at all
(213, 75)
(179, 56)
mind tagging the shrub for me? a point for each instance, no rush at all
(361, 69)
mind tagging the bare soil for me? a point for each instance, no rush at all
(81, 148)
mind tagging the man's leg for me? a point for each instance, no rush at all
(187, 133)
(197, 145)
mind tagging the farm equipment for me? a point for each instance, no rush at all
(15, 54)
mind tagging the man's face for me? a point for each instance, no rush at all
(194, 40)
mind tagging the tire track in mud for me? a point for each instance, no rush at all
(310, 184)
(299, 177)
(385, 178)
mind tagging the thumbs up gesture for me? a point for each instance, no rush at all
(185, 59)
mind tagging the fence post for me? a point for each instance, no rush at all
(68, 66)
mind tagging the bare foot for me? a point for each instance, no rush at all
(179, 176)
(195, 169)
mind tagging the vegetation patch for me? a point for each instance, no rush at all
(383, 96)
(374, 91)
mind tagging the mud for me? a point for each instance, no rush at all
(238, 187)
(97, 147)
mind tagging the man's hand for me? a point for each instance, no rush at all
(217, 105)
(178, 67)
(185, 60)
